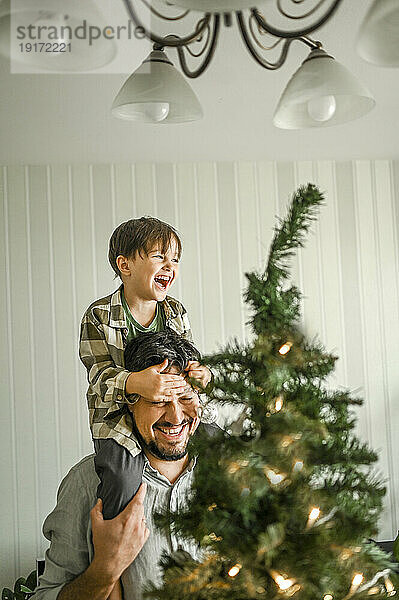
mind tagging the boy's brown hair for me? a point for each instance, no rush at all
(140, 235)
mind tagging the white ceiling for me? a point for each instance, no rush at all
(66, 118)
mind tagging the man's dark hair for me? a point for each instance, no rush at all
(140, 235)
(149, 349)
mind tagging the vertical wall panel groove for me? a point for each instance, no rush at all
(93, 232)
(176, 218)
(53, 318)
(258, 224)
(219, 253)
(78, 400)
(154, 190)
(239, 251)
(10, 345)
(362, 308)
(113, 201)
(341, 290)
(199, 261)
(320, 271)
(395, 387)
(33, 389)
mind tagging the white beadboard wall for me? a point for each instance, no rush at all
(56, 222)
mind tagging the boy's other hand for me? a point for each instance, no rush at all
(199, 372)
(154, 384)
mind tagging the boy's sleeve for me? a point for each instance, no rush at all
(107, 380)
(184, 324)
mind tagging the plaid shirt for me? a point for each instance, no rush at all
(103, 337)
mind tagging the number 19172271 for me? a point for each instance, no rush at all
(52, 47)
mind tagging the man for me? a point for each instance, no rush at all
(89, 554)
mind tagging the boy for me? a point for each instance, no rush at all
(145, 254)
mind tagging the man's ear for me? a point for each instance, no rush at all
(122, 262)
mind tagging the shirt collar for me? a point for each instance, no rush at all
(117, 316)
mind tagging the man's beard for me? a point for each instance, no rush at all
(158, 452)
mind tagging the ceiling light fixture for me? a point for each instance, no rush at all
(157, 93)
(378, 40)
(321, 93)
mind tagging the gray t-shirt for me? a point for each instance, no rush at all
(68, 529)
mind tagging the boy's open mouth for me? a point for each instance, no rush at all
(162, 281)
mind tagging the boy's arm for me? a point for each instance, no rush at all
(106, 378)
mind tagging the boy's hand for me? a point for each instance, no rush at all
(153, 384)
(199, 372)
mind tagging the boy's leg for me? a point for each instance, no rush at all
(120, 475)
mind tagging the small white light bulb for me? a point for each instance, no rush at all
(356, 581)
(156, 111)
(322, 108)
(285, 348)
(298, 466)
(313, 516)
(235, 570)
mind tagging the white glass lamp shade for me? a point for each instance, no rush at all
(321, 93)
(31, 21)
(217, 6)
(378, 40)
(157, 93)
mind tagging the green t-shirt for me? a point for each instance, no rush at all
(134, 327)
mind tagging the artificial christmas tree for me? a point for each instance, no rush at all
(286, 500)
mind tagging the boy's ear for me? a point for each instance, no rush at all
(123, 265)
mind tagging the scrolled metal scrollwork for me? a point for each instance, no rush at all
(265, 23)
(255, 27)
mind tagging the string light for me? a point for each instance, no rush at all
(283, 583)
(235, 570)
(285, 348)
(287, 441)
(389, 587)
(313, 516)
(212, 506)
(214, 537)
(237, 465)
(328, 597)
(233, 467)
(279, 402)
(356, 581)
(273, 477)
(298, 466)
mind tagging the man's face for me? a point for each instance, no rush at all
(166, 427)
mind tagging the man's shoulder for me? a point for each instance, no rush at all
(82, 477)
(85, 466)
